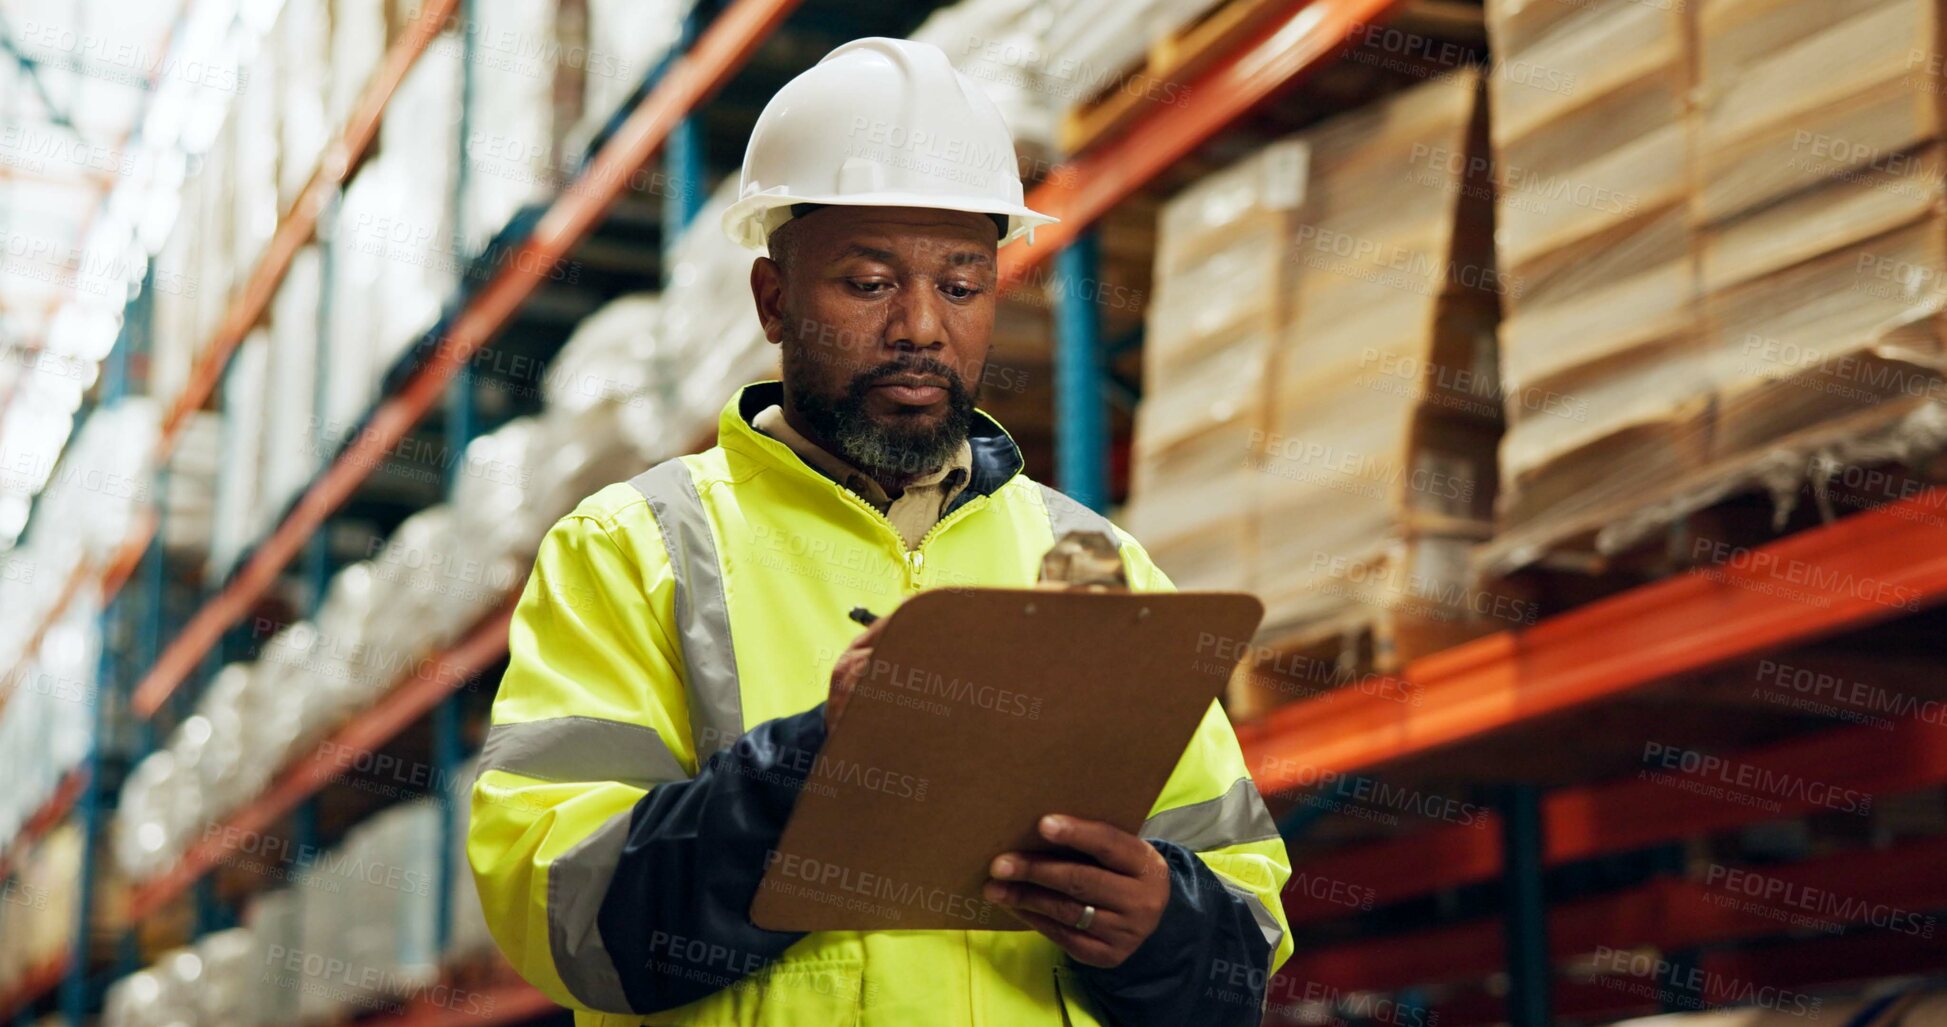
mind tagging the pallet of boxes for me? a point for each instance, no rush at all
(1730, 235)
(1321, 412)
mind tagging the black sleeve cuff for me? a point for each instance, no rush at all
(676, 916)
(1206, 963)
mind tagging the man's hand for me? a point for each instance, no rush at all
(849, 669)
(1122, 876)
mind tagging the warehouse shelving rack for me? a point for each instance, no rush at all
(1486, 689)
(1084, 192)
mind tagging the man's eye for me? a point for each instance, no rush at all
(870, 287)
(961, 292)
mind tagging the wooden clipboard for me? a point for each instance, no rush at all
(982, 710)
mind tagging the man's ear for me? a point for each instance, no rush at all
(767, 289)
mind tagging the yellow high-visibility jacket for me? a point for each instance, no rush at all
(668, 665)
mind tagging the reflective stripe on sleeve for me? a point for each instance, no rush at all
(702, 613)
(1273, 931)
(577, 881)
(1066, 515)
(1233, 818)
(581, 749)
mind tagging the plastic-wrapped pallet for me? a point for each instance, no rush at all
(525, 101)
(289, 455)
(135, 1001)
(232, 992)
(358, 40)
(1592, 149)
(368, 909)
(189, 498)
(1824, 245)
(272, 919)
(467, 938)
(711, 341)
(591, 391)
(998, 43)
(626, 40)
(239, 518)
(419, 151)
(47, 722)
(177, 325)
(1377, 468)
(352, 375)
(253, 121)
(350, 656)
(302, 38)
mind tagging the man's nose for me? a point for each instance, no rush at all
(916, 321)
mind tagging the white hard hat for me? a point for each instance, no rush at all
(882, 123)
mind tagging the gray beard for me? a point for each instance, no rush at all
(893, 449)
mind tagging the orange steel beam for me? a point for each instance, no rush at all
(1899, 885)
(718, 53)
(1085, 188)
(1730, 977)
(51, 812)
(420, 690)
(300, 222)
(1869, 567)
(1618, 816)
(33, 985)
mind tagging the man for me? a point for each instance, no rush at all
(683, 645)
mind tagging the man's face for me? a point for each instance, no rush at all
(885, 315)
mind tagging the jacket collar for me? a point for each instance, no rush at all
(996, 459)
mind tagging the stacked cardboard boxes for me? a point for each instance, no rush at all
(1820, 208)
(1378, 466)
(1220, 284)
(1321, 418)
(1605, 381)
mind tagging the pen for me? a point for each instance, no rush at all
(863, 615)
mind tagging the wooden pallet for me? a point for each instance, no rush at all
(1598, 539)
(1177, 57)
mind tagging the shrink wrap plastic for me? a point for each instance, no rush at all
(1760, 306)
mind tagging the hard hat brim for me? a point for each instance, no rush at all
(750, 221)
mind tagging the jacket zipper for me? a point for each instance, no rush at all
(914, 559)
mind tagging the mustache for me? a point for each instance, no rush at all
(928, 366)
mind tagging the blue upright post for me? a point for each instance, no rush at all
(462, 424)
(682, 159)
(1529, 969)
(1081, 411)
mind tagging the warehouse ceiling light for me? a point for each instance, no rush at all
(103, 106)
